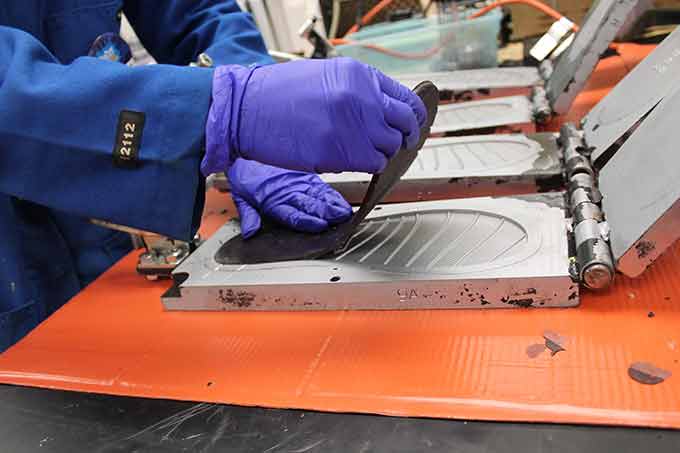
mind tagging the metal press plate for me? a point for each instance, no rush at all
(455, 167)
(634, 96)
(480, 253)
(474, 79)
(458, 167)
(482, 114)
(641, 190)
(574, 67)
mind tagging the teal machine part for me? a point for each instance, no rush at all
(428, 44)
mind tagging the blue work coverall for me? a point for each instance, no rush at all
(58, 118)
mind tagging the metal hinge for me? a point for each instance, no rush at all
(545, 69)
(541, 107)
(590, 231)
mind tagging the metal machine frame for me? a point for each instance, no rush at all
(561, 86)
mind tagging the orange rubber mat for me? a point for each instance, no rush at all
(469, 364)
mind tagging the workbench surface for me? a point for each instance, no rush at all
(57, 421)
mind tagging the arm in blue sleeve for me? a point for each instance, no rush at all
(177, 31)
(58, 129)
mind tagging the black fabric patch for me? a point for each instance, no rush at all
(128, 139)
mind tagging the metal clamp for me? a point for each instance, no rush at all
(162, 254)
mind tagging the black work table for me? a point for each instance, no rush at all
(56, 421)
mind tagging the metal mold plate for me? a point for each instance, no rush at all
(441, 254)
(483, 114)
(641, 190)
(483, 165)
(574, 67)
(474, 79)
(634, 96)
(463, 167)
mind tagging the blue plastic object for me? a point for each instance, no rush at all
(110, 47)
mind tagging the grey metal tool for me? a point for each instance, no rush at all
(572, 70)
(278, 243)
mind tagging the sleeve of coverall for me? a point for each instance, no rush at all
(177, 31)
(58, 136)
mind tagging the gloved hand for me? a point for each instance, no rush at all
(299, 200)
(311, 115)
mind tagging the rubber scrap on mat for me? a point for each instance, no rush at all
(534, 350)
(554, 341)
(647, 373)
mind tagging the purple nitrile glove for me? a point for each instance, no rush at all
(301, 201)
(311, 115)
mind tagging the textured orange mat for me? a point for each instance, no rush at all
(114, 338)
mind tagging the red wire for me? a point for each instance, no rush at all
(533, 3)
(368, 17)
